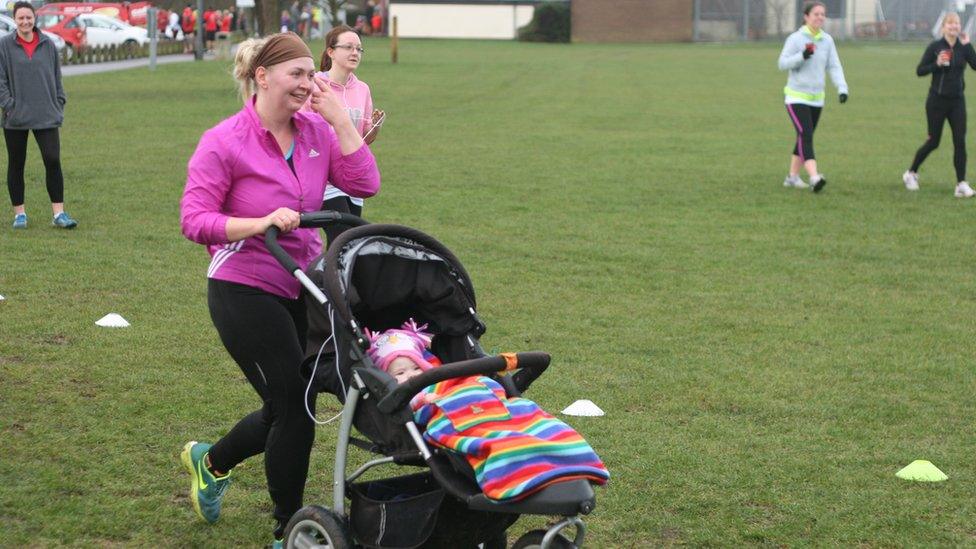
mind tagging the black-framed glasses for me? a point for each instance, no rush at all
(351, 47)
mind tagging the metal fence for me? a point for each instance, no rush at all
(728, 20)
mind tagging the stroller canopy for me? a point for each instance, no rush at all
(377, 277)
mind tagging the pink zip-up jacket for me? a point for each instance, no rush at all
(358, 100)
(239, 171)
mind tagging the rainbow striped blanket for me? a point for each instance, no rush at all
(514, 446)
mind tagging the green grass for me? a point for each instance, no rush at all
(768, 358)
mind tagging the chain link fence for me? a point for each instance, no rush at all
(729, 20)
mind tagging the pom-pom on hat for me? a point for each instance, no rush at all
(409, 341)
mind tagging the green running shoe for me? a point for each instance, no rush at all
(206, 490)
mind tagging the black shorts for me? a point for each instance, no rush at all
(211, 35)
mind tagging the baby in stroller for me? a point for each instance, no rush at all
(514, 447)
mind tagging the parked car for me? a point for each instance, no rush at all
(65, 26)
(7, 25)
(133, 13)
(101, 30)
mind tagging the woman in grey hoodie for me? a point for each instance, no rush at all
(809, 54)
(32, 99)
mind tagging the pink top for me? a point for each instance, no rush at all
(238, 170)
(356, 98)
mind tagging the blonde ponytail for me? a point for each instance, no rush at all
(243, 72)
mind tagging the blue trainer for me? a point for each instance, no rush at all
(20, 221)
(206, 490)
(278, 544)
(64, 221)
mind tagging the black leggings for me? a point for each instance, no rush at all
(804, 118)
(937, 111)
(339, 204)
(265, 334)
(50, 144)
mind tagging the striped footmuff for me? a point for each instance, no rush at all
(514, 446)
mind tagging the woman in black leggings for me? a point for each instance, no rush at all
(946, 59)
(32, 99)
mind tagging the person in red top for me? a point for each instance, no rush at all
(377, 23)
(225, 21)
(210, 27)
(189, 23)
(32, 98)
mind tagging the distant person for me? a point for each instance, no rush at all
(809, 54)
(376, 22)
(258, 169)
(189, 22)
(210, 28)
(946, 59)
(32, 99)
(233, 18)
(285, 21)
(342, 55)
(173, 27)
(307, 21)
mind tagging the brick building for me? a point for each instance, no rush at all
(632, 20)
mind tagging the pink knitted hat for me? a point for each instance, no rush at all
(409, 341)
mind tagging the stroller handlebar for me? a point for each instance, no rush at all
(307, 220)
(533, 361)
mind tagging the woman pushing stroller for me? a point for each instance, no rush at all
(261, 168)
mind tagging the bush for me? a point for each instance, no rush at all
(550, 23)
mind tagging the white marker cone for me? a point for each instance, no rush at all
(112, 320)
(583, 408)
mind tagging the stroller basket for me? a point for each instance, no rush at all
(395, 512)
(413, 511)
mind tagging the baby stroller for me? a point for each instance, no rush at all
(378, 276)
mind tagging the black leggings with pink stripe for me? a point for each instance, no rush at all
(804, 119)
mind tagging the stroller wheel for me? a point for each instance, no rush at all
(314, 526)
(533, 540)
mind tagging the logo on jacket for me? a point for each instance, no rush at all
(313, 153)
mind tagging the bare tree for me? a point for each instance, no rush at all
(334, 7)
(269, 16)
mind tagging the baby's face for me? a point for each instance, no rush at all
(403, 368)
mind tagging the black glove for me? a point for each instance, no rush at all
(843, 98)
(808, 51)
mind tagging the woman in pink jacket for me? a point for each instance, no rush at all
(342, 55)
(262, 167)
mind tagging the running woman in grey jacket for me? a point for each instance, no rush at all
(946, 60)
(809, 54)
(32, 99)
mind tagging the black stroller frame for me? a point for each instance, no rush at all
(374, 403)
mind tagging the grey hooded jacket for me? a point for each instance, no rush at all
(31, 94)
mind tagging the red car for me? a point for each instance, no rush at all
(133, 13)
(66, 26)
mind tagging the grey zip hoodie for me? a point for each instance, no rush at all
(31, 94)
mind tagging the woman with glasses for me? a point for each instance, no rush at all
(342, 55)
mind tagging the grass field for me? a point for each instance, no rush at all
(768, 358)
